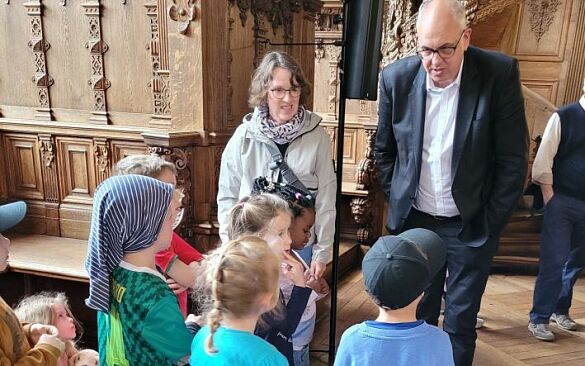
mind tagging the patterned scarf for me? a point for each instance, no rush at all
(284, 133)
(128, 212)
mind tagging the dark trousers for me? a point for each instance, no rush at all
(562, 257)
(469, 269)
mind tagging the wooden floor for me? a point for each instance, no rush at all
(503, 341)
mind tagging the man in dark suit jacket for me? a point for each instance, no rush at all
(452, 151)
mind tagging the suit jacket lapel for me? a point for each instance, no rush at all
(417, 100)
(468, 94)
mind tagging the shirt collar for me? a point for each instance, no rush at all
(582, 101)
(431, 84)
(133, 268)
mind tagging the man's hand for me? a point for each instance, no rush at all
(547, 192)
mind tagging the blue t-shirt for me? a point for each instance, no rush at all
(235, 347)
(378, 343)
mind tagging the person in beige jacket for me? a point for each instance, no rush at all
(281, 124)
(22, 344)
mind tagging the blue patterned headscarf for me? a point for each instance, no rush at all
(128, 212)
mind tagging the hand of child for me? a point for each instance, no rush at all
(51, 339)
(174, 286)
(37, 330)
(318, 268)
(294, 270)
(192, 318)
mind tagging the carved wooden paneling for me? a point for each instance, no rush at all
(51, 183)
(66, 30)
(22, 158)
(39, 47)
(158, 47)
(97, 47)
(121, 149)
(545, 88)
(103, 160)
(76, 169)
(542, 30)
(182, 12)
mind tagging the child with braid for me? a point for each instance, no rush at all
(302, 206)
(269, 217)
(243, 276)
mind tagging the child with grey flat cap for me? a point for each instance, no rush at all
(396, 271)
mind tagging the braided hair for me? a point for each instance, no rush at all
(238, 273)
(298, 199)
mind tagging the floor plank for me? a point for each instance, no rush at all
(504, 341)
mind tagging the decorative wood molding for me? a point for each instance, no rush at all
(183, 12)
(39, 46)
(542, 14)
(101, 152)
(260, 39)
(160, 83)
(362, 215)
(365, 173)
(97, 47)
(244, 6)
(334, 54)
(181, 158)
(576, 72)
(49, 169)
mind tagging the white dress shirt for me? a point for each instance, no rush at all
(545, 156)
(434, 195)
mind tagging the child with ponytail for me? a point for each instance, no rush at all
(269, 217)
(243, 279)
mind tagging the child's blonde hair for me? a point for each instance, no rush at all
(39, 308)
(252, 215)
(238, 273)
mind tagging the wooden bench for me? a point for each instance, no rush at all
(48, 256)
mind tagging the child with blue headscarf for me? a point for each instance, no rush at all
(139, 320)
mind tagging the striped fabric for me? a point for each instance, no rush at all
(128, 213)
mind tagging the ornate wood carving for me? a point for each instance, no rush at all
(101, 152)
(362, 215)
(50, 183)
(181, 158)
(229, 87)
(183, 12)
(334, 54)
(260, 39)
(97, 47)
(158, 47)
(39, 46)
(244, 6)
(542, 14)
(366, 170)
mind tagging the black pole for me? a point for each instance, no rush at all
(339, 171)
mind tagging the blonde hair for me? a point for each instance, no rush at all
(238, 273)
(263, 75)
(39, 308)
(149, 165)
(254, 214)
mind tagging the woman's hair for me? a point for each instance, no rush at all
(252, 215)
(39, 309)
(298, 199)
(149, 165)
(238, 273)
(263, 75)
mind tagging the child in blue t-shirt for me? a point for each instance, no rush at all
(243, 277)
(396, 271)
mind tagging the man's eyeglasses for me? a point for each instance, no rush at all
(444, 52)
(279, 93)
